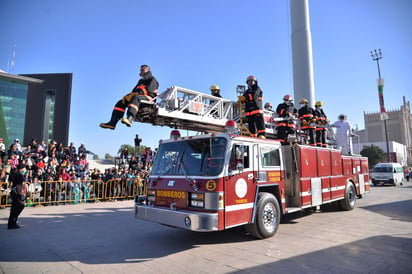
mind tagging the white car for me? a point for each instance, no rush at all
(387, 173)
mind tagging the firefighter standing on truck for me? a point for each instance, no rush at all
(253, 107)
(321, 121)
(307, 117)
(288, 111)
(146, 89)
(215, 91)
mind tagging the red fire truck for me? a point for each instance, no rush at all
(216, 181)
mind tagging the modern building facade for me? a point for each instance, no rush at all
(35, 106)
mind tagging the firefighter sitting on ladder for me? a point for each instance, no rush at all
(307, 117)
(321, 121)
(288, 111)
(253, 107)
(146, 89)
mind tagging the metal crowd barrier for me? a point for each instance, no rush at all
(75, 191)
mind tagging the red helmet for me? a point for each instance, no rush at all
(268, 106)
(287, 98)
(251, 77)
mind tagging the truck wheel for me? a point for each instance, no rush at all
(267, 217)
(350, 198)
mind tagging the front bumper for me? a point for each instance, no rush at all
(195, 221)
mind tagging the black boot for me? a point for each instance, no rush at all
(113, 121)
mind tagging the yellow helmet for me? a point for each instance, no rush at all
(303, 101)
(214, 87)
(318, 104)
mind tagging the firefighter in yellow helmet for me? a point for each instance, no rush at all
(253, 107)
(215, 90)
(321, 121)
(288, 111)
(307, 116)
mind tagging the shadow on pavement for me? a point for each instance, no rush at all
(401, 210)
(380, 254)
(78, 237)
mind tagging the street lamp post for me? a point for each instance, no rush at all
(376, 56)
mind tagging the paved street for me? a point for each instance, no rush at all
(376, 237)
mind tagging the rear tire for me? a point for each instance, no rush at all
(267, 217)
(350, 198)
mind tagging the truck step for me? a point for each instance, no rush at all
(292, 209)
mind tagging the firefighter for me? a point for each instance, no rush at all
(288, 111)
(268, 106)
(321, 122)
(146, 89)
(215, 90)
(343, 134)
(306, 118)
(17, 195)
(253, 107)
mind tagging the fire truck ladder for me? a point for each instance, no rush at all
(183, 108)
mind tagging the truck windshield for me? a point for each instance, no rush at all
(382, 169)
(202, 157)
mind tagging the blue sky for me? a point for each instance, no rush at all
(195, 44)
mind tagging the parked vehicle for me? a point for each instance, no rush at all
(387, 173)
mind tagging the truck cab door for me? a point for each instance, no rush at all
(239, 186)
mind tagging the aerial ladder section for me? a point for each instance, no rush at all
(183, 108)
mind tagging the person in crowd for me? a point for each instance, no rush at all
(146, 89)
(133, 163)
(2, 151)
(124, 155)
(12, 150)
(72, 151)
(17, 196)
(14, 161)
(82, 149)
(42, 146)
(287, 111)
(253, 108)
(307, 117)
(137, 142)
(83, 165)
(61, 187)
(18, 146)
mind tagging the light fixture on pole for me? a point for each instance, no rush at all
(376, 56)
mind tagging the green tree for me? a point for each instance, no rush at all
(107, 156)
(374, 153)
(130, 149)
(95, 157)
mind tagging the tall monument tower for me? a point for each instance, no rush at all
(302, 51)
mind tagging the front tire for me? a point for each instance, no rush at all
(267, 217)
(350, 198)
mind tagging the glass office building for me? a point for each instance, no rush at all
(35, 106)
(13, 102)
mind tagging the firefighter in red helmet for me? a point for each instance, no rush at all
(146, 89)
(288, 111)
(253, 107)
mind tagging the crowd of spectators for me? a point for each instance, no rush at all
(55, 162)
